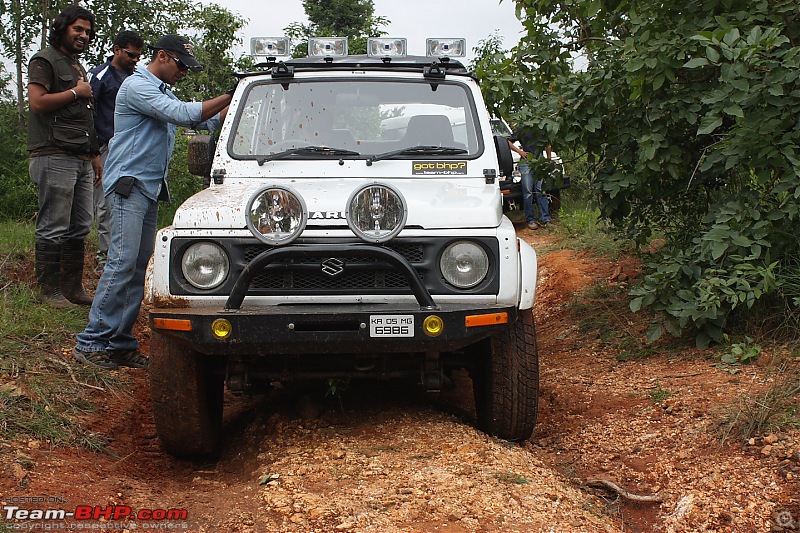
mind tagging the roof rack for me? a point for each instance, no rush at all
(430, 67)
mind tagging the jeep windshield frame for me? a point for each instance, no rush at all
(344, 117)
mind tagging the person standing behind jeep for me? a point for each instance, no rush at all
(105, 80)
(532, 147)
(145, 122)
(64, 157)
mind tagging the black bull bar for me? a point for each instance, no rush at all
(306, 251)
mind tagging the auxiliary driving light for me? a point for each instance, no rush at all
(387, 47)
(221, 328)
(270, 47)
(376, 212)
(276, 215)
(327, 47)
(433, 325)
(446, 47)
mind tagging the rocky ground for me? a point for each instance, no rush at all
(624, 443)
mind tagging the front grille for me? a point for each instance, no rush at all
(358, 274)
(319, 282)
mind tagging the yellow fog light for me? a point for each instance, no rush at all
(221, 328)
(433, 326)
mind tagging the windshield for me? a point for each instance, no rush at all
(354, 119)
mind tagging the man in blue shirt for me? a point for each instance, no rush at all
(105, 80)
(135, 179)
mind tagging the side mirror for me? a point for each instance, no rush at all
(504, 157)
(200, 154)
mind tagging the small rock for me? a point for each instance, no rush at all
(771, 438)
(766, 450)
(19, 472)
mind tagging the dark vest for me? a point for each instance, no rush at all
(68, 129)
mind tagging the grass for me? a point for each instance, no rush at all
(658, 394)
(581, 228)
(44, 394)
(15, 237)
(511, 478)
(602, 309)
(775, 408)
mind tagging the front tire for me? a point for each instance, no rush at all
(506, 381)
(187, 390)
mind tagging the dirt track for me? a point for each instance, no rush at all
(386, 460)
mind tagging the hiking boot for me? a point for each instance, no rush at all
(72, 272)
(48, 275)
(533, 225)
(129, 358)
(540, 225)
(99, 358)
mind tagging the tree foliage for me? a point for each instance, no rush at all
(354, 19)
(687, 113)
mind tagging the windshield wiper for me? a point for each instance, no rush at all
(417, 150)
(306, 150)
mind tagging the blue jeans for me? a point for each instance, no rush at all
(65, 197)
(120, 290)
(533, 188)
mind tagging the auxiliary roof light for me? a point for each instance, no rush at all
(450, 47)
(270, 47)
(327, 47)
(387, 47)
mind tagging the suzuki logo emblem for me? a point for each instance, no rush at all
(332, 266)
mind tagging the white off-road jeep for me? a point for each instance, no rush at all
(352, 228)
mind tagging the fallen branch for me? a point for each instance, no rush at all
(72, 375)
(604, 483)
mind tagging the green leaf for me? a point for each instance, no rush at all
(654, 332)
(734, 110)
(709, 124)
(696, 62)
(718, 249)
(741, 240)
(702, 340)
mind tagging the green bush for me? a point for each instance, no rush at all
(18, 198)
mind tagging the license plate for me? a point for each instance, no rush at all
(391, 325)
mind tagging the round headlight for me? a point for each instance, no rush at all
(205, 265)
(464, 264)
(376, 212)
(276, 215)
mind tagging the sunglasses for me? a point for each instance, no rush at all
(132, 55)
(181, 64)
